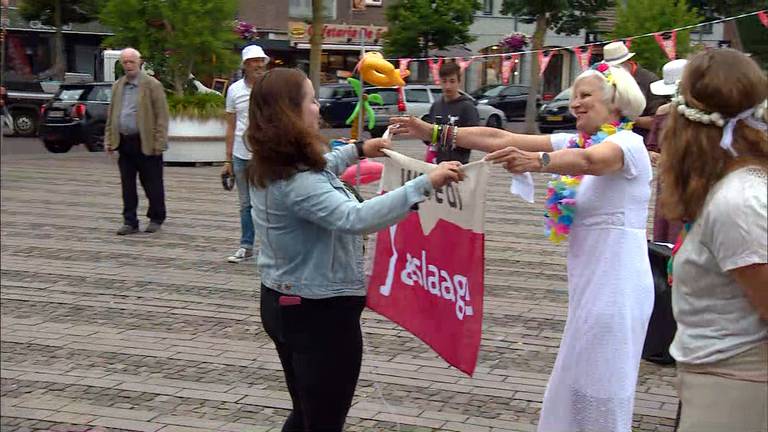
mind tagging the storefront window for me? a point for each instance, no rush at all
(303, 8)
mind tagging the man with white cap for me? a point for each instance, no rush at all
(616, 53)
(238, 96)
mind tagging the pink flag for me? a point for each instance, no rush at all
(428, 270)
(463, 64)
(583, 56)
(506, 70)
(508, 64)
(434, 67)
(403, 62)
(668, 43)
(544, 60)
(763, 18)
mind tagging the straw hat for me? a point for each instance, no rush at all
(616, 53)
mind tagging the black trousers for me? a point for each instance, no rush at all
(320, 346)
(150, 171)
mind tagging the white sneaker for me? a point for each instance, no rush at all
(242, 254)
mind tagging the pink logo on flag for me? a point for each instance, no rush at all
(583, 56)
(434, 68)
(668, 43)
(544, 60)
(428, 270)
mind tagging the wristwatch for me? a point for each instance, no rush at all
(359, 146)
(543, 159)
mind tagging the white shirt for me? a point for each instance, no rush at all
(715, 319)
(238, 99)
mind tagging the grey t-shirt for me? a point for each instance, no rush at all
(715, 320)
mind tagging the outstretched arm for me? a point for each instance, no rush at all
(476, 138)
(490, 140)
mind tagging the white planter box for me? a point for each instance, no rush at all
(193, 140)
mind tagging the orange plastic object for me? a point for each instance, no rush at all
(379, 72)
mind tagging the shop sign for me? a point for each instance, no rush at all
(337, 33)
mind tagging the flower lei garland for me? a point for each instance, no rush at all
(561, 190)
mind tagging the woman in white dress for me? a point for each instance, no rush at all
(602, 208)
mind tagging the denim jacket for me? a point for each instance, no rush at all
(310, 228)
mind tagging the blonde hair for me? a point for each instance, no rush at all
(621, 90)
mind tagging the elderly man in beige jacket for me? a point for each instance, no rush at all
(137, 127)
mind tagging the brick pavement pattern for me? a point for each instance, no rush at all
(159, 333)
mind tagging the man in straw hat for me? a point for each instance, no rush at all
(238, 96)
(616, 53)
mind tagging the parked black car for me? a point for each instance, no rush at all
(511, 99)
(337, 101)
(76, 115)
(555, 115)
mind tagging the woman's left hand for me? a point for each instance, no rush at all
(373, 146)
(515, 160)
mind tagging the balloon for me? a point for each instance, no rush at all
(369, 172)
(379, 72)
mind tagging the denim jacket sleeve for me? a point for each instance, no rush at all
(340, 158)
(322, 200)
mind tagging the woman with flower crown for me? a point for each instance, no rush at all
(714, 177)
(599, 201)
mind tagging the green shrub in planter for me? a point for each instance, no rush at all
(199, 106)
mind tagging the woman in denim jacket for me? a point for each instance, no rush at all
(311, 257)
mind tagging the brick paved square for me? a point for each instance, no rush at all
(159, 333)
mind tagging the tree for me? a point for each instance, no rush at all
(562, 16)
(415, 26)
(316, 43)
(646, 16)
(176, 37)
(56, 13)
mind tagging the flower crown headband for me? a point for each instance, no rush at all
(753, 117)
(605, 70)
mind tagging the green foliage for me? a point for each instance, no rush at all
(563, 16)
(417, 25)
(645, 16)
(197, 106)
(754, 38)
(71, 10)
(176, 37)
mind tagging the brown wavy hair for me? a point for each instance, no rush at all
(280, 143)
(692, 161)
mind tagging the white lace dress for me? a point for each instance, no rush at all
(610, 299)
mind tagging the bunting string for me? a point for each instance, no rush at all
(761, 13)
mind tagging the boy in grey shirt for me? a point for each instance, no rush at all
(454, 109)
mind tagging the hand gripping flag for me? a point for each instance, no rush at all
(428, 269)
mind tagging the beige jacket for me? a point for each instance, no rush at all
(152, 116)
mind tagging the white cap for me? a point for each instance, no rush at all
(672, 72)
(616, 53)
(254, 51)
